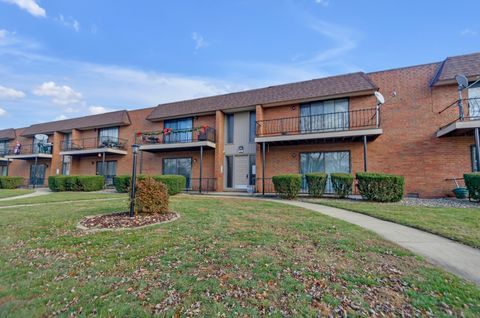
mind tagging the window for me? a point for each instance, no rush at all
(181, 130)
(108, 137)
(474, 102)
(3, 171)
(324, 116)
(109, 171)
(328, 162)
(253, 126)
(179, 166)
(67, 141)
(229, 170)
(474, 159)
(230, 126)
(3, 148)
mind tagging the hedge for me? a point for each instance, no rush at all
(342, 184)
(472, 182)
(11, 182)
(76, 183)
(175, 183)
(121, 183)
(287, 186)
(380, 187)
(316, 183)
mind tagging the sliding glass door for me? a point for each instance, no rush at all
(327, 162)
(324, 116)
(181, 130)
(178, 166)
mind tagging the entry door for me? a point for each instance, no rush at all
(241, 172)
(474, 101)
(37, 174)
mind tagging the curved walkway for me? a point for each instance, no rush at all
(455, 257)
(38, 192)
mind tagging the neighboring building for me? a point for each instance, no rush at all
(238, 141)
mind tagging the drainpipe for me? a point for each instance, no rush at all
(201, 166)
(460, 104)
(365, 153)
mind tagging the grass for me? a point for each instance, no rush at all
(225, 257)
(7, 193)
(63, 197)
(459, 224)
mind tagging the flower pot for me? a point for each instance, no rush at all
(460, 193)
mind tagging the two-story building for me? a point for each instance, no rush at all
(238, 141)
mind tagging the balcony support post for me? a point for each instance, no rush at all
(263, 168)
(201, 168)
(35, 173)
(477, 147)
(141, 161)
(104, 170)
(365, 154)
(8, 164)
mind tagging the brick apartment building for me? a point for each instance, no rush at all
(238, 141)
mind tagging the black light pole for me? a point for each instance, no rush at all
(135, 149)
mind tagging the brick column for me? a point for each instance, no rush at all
(219, 148)
(56, 162)
(258, 157)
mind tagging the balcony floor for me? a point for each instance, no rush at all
(93, 151)
(29, 156)
(177, 146)
(321, 137)
(459, 128)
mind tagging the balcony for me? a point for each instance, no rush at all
(93, 146)
(176, 139)
(461, 121)
(3, 153)
(331, 127)
(28, 152)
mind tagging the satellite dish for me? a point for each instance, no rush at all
(462, 81)
(380, 98)
(41, 137)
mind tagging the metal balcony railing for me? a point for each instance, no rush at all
(470, 111)
(171, 136)
(41, 148)
(338, 121)
(94, 143)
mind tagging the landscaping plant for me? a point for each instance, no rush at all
(316, 183)
(380, 187)
(287, 186)
(10, 182)
(76, 183)
(151, 196)
(342, 184)
(472, 182)
(122, 183)
(175, 183)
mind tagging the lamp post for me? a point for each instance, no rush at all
(135, 149)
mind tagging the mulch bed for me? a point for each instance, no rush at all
(123, 220)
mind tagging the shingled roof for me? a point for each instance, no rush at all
(317, 88)
(468, 65)
(117, 118)
(7, 134)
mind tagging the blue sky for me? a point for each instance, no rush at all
(63, 59)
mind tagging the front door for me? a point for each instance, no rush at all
(37, 174)
(242, 167)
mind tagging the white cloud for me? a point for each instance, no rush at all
(69, 22)
(2, 112)
(469, 32)
(60, 117)
(324, 3)
(95, 110)
(199, 41)
(10, 93)
(31, 6)
(61, 95)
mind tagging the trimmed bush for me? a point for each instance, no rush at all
(151, 196)
(121, 183)
(472, 182)
(380, 187)
(175, 183)
(342, 184)
(287, 186)
(11, 182)
(316, 183)
(75, 183)
(90, 183)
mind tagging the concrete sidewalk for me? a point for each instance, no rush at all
(456, 258)
(38, 192)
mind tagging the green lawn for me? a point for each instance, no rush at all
(6, 193)
(223, 257)
(63, 197)
(459, 224)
